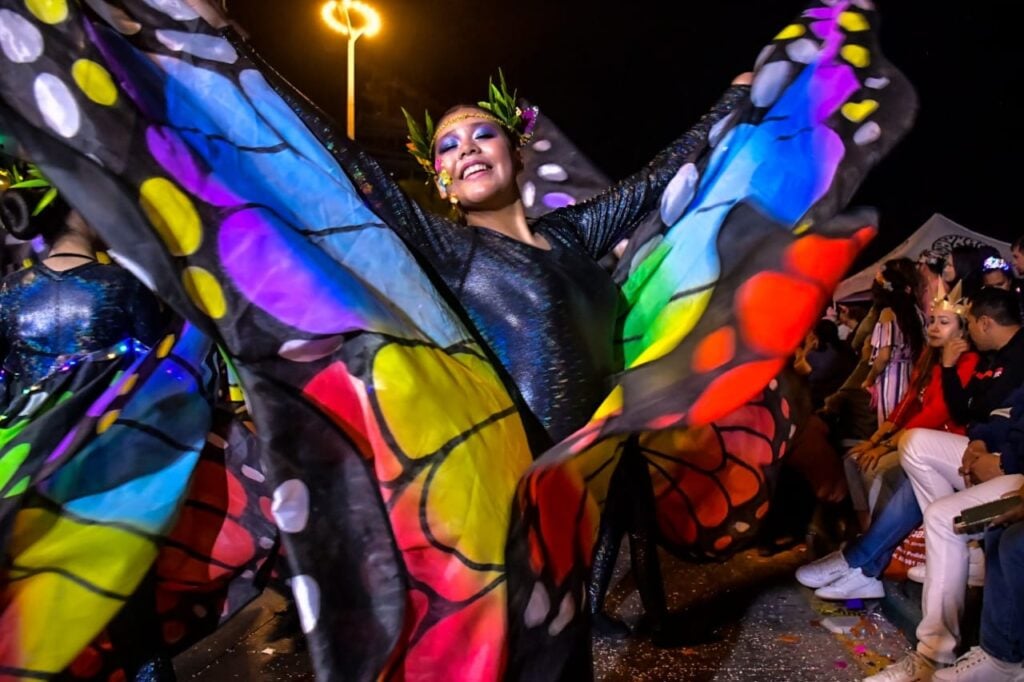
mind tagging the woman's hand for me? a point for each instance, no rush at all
(861, 448)
(865, 445)
(952, 351)
(868, 461)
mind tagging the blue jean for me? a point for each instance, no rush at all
(872, 551)
(1002, 611)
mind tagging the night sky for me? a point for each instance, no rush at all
(624, 83)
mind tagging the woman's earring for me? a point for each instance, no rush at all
(454, 199)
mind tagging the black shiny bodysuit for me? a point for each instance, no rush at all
(48, 317)
(548, 318)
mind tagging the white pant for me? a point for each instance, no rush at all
(931, 460)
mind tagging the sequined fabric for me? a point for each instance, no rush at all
(48, 317)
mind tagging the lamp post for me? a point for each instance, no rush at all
(339, 15)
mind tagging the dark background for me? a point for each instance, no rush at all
(622, 80)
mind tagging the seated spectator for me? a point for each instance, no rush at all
(1017, 256)
(824, 360)
(963, 265)
(872, 467)
(996, 273)
(999, 657)
(848, 318)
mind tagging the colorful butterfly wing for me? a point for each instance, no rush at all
(85, 534)
(726, 278)
(209, 188)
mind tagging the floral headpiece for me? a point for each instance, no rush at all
(995, 263)
(30, 177)
(503, 109)
(954, 302)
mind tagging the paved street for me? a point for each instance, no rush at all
(746, 619)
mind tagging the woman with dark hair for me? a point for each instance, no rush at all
(66, 323)
(923, 406)
(964, 265)
(996, 272)
(897, 338)
(68, 305)
(929, 271)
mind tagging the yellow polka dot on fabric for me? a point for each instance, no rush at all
(856, 55)
(102, 257)
(164, 349)
(204, 290)
(791, 31)
(95, 81)
(48, 11)
(173, 216)
(853, 21)
(107, 420)
(858, 111)
(128, 384)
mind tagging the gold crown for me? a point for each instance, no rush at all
(953, 302)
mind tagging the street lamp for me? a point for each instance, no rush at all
(338, 14)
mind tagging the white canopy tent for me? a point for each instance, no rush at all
(938, 233)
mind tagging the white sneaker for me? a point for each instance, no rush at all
(975, 568)
(911, 668)
(825, 570)
(853, 585)
(977, 666)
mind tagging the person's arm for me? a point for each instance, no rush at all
(955, 393)
(606, 219)
(882, 341)
(1012, 449)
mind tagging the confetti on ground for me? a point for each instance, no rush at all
(789, 639)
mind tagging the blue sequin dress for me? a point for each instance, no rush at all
(50, 317)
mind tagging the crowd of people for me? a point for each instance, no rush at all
(941, 368)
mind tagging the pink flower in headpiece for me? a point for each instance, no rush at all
(530, 120)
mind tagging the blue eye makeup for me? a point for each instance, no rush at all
(485, 131)
(446, 144)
